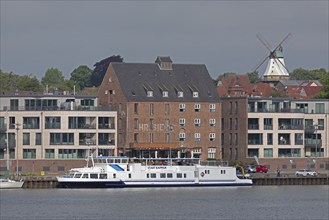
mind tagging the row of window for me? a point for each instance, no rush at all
(284, 152)
(182, 137)
(182, 108)
(165, 94)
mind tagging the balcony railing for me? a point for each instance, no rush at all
(313, 142)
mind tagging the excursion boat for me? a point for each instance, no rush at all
(111, 172)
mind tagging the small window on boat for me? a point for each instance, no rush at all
(153, 175)
(147, 175)
(93, 176)
(179, 175)
(85, 175)
(114, 175)
(103, 176)
(124, 161)
(77, 175)
(184, 175)
(103, 160)
(117, 160)
(162, 175)
(169, 175)
(129, 175)
(222, 172)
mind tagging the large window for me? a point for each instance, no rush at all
(289, 152)
(53, 122)
(29, 153)
(61, 138)
(31, 123)
(26, 138)
(38, 140)
(319, 108)
(71, 153)
(49, 153)
(268, 152)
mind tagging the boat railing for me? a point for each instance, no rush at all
(214, 163)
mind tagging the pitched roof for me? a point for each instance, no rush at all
(136, 79)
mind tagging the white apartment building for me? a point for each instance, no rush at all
(288, 129)
(52, 127)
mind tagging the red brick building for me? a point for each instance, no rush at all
(163, 109)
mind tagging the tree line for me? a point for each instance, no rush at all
(54, 79)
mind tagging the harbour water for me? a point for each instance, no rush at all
(254, 203)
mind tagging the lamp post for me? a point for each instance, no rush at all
(17, 129)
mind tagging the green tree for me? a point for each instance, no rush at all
(29, 83)
(324, 94)
(11, 81)
(53, 79)
(101, 68)
(253, 77)
(81, 76)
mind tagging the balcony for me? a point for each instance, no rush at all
(309, 142)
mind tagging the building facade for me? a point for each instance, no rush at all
(164, 109)
(53, 132)
(281, 133)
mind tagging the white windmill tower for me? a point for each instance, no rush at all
(276, 68)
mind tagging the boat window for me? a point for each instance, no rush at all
(222, 172)
(114, 175)
(85, 175)
(169, 175)
(93, 176)
(77, 175)
(103, 160)
(184, 175)
(147, 175)
(124, 161)
(153, 175)
(162, 175)
(117, 160)
(179, 175)
(109, 160)
(103, 176)
(129, 175)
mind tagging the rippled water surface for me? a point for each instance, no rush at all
(254, 202)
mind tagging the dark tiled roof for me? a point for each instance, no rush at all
(138, 78)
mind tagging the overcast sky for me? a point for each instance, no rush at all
(37, 35)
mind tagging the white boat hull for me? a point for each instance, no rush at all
(11, 184)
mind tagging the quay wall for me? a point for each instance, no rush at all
(48, 182)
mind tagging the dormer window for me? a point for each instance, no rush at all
(165, 63)
(164, 93)
(149, 93)
(195, 94)
(180, 94)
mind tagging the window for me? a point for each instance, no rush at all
(31, 123)
(52, 122)
(182, 122)
(149, 93)
(268, 152)
(319, 108)
(169, 175)
(212, 136)
(197, 136)
(180, 94)
(212, 153)
(270, 139)
(181, 136)
(136, 137)
(212, 107)
(29, 153)
(299, 139)
(152, 124)
(197, 107)
(182, 107)
(212, 122)
(136, 108)
(197, 122)
(162, 175)
(26, 138)
(136, 123)
(49, 153)
(268, 124)
(151, 109)
(38, 139)
(164, 93)
(167, 108)
(195, 94)
(320, 124)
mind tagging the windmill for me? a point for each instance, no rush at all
(276, 68)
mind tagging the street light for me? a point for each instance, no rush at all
(17, 129)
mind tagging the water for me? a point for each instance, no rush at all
(254, 202)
